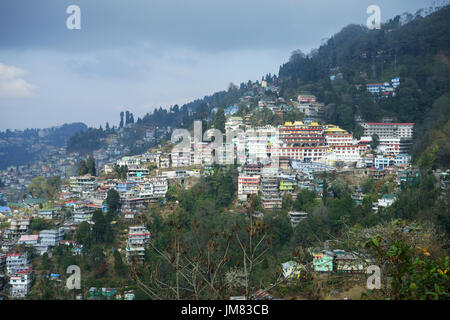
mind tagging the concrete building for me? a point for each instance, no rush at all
(138, 237)
(51, 237)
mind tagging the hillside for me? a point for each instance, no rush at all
(22, 147)
(417, 51)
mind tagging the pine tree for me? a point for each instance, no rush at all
(219, 120)
(82, 168)
(91, 166)
(121, 119)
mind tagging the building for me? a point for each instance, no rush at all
(83, 212)
(51, 237)
(323, 262)
(20, 282)
(300, 141)
(138, 237)
(16, 262)
(296, 217)
(137, 172)
(28, 239)
(17, 228)
(388, 130)
(386, 201)
(348, 262)
(80, 184)
(247, 185)
(292, 270)
(306, 98)
(270, 192)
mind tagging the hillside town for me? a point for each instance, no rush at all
(272, 161)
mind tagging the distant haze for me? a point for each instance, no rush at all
(137, 55)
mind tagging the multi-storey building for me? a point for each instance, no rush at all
(300, 141)
(83, 212)
(247, 185)
(16, 262)
(388, 129)
(51, 237)
(259, 142)
(138, 238)
(17, 228)
(270, 192)
(306, 98)
(80, 184)
(20, 282)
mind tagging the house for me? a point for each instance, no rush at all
(17, 228)
(386, 201)
(138, 237)
(5, 211)
(296, 217)
(16, 262)
(323, 262)
(46, 213)
(28, 239)
(80, 184)
(270, 192)
(292, 270)
(51, 237)
(20, 282)
(348, 262)
(247, 185)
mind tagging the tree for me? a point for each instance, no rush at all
(39, 224)
(119, 267)
(121, 119)
(82, 168)
(219, 120)
(47, 188)
(375, 141)
(83, 234)
(90, 165)
(112, 201)
(101, 231)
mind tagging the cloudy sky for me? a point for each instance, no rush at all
(140, 54)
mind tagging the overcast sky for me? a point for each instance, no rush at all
(140, 54)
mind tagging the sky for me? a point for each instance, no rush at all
(138, 55)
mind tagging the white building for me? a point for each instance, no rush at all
(247, 185)
(20, 282)
(51, 237)
(16, 262)
(388, 130)
(138, 237)
(80, 184)
(296, 217)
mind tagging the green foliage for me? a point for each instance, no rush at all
(82, 168)
(83, 234)
(38, 224)
(219, 120)
(90, 166)
(101, 230)
(121, 172)
(375, 141)
(87, 141)
(304, 199)
(112, 201)
(119, 267)
(46, 188)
